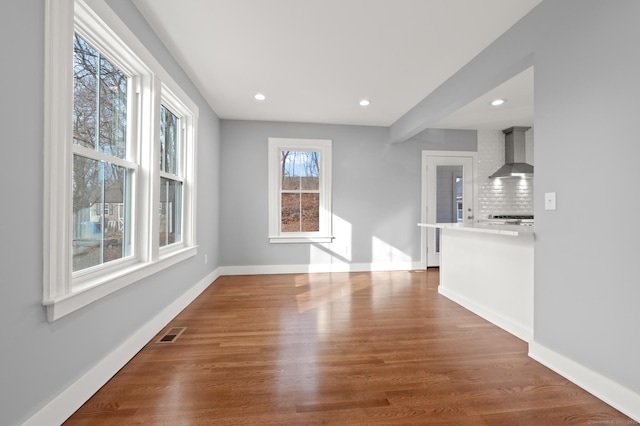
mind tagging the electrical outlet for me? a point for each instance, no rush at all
(205, 259)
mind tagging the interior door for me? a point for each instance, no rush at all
(449, 196)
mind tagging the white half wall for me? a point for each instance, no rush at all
(491, 275)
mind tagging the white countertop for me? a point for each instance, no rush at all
(511, 230)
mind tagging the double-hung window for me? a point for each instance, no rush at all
(173, 128)
(120, 136)
(103, 166)
(299, 190)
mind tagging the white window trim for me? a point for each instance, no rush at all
(320, 145)
(63, 292)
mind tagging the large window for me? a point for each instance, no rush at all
(119, 142)
(102, 174)
(299, 190)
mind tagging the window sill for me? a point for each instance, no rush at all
(297, 240)
(106, 284)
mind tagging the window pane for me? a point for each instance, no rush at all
(168, 141)
(310, 206)
(299, 170)
(85, 71)
(290, 179)
(99, 101)
(290, 212)
(101, 212)
(170, 211)
(309, 170)
(300, 212)
(113, 110)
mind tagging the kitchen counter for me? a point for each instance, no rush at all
(487, 228)
(488, 269)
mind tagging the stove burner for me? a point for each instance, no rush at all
(513, 216)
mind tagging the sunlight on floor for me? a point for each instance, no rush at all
(333, 291)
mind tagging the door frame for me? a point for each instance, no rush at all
(425, 196)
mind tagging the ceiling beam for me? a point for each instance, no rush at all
(509, 55)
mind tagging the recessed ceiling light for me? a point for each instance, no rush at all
(365, 102)
(259, 97)
(497, 102)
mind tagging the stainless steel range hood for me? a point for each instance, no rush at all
(514, 155)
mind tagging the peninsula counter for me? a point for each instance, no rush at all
(488, 269)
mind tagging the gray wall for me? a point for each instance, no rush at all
(586, 150)
(376, 193)
(40, 359)
(587, 95)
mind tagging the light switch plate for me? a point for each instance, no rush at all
(549, 200)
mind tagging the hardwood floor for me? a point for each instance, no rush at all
(346, 348)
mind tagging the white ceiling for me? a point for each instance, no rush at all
(480, 115)
(315, 59)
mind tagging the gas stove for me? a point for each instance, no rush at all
(510, 219)
(512, 216)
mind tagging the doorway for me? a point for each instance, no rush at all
(448, 188)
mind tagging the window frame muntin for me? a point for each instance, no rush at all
(275, 146)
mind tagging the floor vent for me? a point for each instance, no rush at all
(172, 335)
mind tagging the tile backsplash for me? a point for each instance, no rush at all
(501, 196)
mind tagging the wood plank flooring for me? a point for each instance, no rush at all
(345, 348)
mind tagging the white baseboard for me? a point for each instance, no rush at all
(614, 394)
(517, 329)
(305, 269)
(69, 400)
